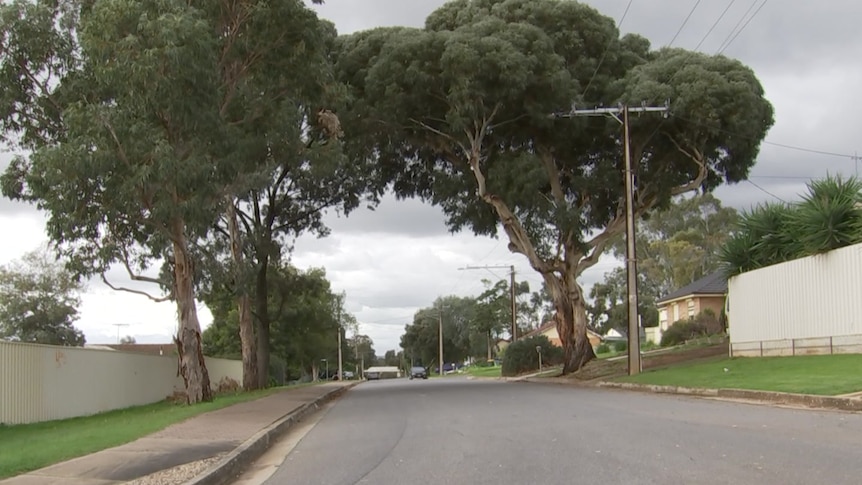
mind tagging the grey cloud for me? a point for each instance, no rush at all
(409, 217)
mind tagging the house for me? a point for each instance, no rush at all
(707, 293)
(549, 329)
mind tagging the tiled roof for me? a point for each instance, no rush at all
(715, 283)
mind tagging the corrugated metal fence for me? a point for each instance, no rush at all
(810, 305)
(44, 382)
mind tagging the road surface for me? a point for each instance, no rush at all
(459, 431)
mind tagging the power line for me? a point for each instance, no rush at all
(715, 24)
(607, 48)
(722, 49)
(766, 191)
(766, 142)
(738, 23)
(684, 22)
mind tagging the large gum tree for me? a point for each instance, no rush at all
(140, 119)
(457, 113)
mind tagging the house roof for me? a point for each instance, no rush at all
(712, 284)
(551, 324)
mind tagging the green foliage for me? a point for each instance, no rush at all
(703, 324)
(676, 246)
(828, 217)
(304, 326)
(521, 355)
(621, 346)
(457, 114)
(39, 302)
(603, 348)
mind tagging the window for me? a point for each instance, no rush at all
(690, 308)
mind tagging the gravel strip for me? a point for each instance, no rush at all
(178, 474)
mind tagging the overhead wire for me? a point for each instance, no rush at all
(733, 32)
(684, 22)
(607, 48)
(722, 49)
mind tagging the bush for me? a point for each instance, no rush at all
(621, 346)
(521, 356)
(603, 349)
(681, 331)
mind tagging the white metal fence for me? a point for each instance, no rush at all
(44, 382)
(810, 305)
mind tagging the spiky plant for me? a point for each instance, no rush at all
(830, 215)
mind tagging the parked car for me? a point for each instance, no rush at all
(372, 376)
(418, 372)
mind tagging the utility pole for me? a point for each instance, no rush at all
(511, 291)
(118, 325)
(440, 336)
(340, 362)
(631, 259)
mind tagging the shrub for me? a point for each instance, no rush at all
(621, 346)
(603, 349)
(521, 356)
(681, 331)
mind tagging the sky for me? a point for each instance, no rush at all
(400, 257)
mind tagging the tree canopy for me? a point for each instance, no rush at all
(144, 119)
(458, 113)
(39, 301)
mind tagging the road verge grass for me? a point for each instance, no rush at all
(491, 371)
(825, 375)
(27, 447)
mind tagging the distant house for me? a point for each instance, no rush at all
(549, 329)
(707, 293)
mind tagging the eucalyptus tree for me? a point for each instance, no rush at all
(140, 116)
(39, 301)
(457, 113)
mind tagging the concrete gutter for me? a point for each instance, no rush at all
(853, 404)
(228, 468)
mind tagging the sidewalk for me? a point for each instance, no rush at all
(223, 436)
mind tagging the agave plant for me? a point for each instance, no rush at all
(830, 215)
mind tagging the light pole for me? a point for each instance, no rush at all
(326, 363)
(539, 351)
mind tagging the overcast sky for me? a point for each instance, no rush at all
(399, 258)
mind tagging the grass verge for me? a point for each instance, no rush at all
(485, 371)
(27, 447)
(826, 375)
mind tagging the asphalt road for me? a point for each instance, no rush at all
(459, 431)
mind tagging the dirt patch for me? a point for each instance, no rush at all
(604, 368)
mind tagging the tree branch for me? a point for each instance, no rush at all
(553, 175)
(136, 292)
(444, 135)
(702, 172)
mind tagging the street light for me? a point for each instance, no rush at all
(539, 351)
(326, 363)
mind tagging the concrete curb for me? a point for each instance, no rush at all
(806, 400)
(228, 468)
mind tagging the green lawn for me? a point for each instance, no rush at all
(826, 375)
(485, 371)
(28, 447)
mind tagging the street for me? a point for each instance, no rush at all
(459, 431)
